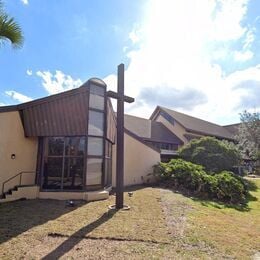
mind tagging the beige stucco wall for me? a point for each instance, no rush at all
(12, 141)
(139, 159)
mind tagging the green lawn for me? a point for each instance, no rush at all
(161, 224)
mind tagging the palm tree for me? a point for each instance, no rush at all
(9, 29)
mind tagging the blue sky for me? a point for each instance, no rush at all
(200, 57)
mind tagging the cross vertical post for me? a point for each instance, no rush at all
(120, 139)
(121, 98)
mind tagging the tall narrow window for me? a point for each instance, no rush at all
(108, 164)
(96, 123)
(96, 97)
(96, 131)
(94, 172)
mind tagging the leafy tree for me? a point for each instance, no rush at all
(214, 155)
(9, 29)
(248, 136)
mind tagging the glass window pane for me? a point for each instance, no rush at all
(94, 89)
(75, 146)
(95, 146)
(55, 145)
(108, 149)
(94, 171)
(52, 173)
(73, 173)
(81, 146)
(96, 101)
(96, 123)
(108, 172)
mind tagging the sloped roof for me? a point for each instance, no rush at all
(150, 130)
(232, 128)
(62, 114)
(139, 126)
(84, 87)
(196, 125)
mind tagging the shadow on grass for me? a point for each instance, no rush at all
(75, 238)
(19, 216)
(221, 205)
(134, 188)
(250, 185)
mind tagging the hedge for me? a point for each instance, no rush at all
(224, 186)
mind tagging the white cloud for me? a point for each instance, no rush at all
(29, 72)
(178, 48)
(249, 39)
(228, 17)
(125, 48)
(136, 34)
(17, 96)
(244, 87)
(246, 53)
(133, 37)
(25, 2)
(243, 55)
(2, 104)
(57, 82)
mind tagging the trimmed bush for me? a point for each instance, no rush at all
(224, 186)
(213, 154)
(229, 188)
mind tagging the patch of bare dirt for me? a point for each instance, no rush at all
(175, 212)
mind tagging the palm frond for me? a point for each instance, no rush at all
(10, 30)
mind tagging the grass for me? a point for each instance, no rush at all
(161, 224)
(230, 230)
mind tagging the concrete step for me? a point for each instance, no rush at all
(33, 192)
(25, 191)
(68, 195)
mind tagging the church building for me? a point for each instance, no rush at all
(63, 146)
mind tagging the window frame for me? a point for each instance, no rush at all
(86, 156)
(64, 157)
(104, 111)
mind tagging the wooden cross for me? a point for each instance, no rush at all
(121, 98)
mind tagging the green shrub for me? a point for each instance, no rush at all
(181, 173)
(187, 174)
(229, 188)
(213, 154)
(162, 171)
(224, 186)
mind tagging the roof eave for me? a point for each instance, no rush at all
(209, 134)
(8, 108)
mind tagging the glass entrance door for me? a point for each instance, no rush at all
(63, 163)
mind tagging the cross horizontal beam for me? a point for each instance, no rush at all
(115, 95)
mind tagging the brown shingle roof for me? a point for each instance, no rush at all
(139, 126)
(196, 125)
